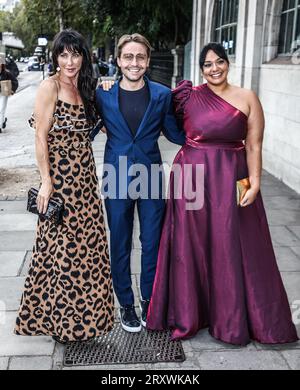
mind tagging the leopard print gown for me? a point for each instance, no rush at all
(68, 291)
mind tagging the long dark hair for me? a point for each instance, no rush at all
(75, 43)
(216, 48)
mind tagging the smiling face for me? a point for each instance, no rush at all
(133, 61)
(70, 63)
(215, 69)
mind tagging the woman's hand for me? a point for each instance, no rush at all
(249, 197)
(44, 195)
(103, 129)
(107, 84)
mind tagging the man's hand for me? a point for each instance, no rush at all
(106, 85)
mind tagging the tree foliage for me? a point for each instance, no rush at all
(166, 23)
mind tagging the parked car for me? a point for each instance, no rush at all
(33, 63)
(39, 49)
(39, 52)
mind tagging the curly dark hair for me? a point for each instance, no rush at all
(74, 42)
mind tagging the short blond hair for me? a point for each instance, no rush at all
(133, 38)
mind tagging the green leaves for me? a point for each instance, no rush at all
(164, 22)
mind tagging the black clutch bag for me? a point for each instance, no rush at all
(54, 211)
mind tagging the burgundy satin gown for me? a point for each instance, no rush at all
(216, 266)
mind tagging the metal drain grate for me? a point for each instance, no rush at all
(120, 347)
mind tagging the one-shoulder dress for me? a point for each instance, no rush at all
(216, 265)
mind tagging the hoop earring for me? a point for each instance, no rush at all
(58, 69)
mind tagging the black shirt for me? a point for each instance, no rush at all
(133, 105)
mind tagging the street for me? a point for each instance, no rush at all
(26, 78)
(17, 140)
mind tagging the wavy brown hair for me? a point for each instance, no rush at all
(74, 42)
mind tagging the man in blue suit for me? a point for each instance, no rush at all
(135, 111)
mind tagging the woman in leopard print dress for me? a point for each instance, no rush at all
(68, 291)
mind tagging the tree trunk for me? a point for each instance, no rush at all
(107, 47)
(176, 27)
(89, 39)
(60, 14)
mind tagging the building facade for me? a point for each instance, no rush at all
(262, 38)
(8, 5)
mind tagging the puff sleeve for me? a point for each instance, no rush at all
(181, 96)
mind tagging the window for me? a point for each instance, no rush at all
(289, 38)
(226, 16)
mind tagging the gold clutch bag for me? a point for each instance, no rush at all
(242, 186)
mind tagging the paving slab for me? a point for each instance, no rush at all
(275, 189)
(283, 203)
(203, 341)
(13, 345)
(282, 236)
(4, 363)
(17, 241)
(295, 230)
(296, 250)
(11, 292)
(283, 217)
(242, 360)
(11, 262)
(13, 207)
(18, 222)
(292, 358)
(287, 259)
(35, 363)
(291, 281)
(26, 263)
(136, 261)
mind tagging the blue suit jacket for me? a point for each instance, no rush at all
(141, 148)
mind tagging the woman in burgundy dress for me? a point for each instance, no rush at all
(216, 265)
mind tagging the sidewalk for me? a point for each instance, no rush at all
(202, 352)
